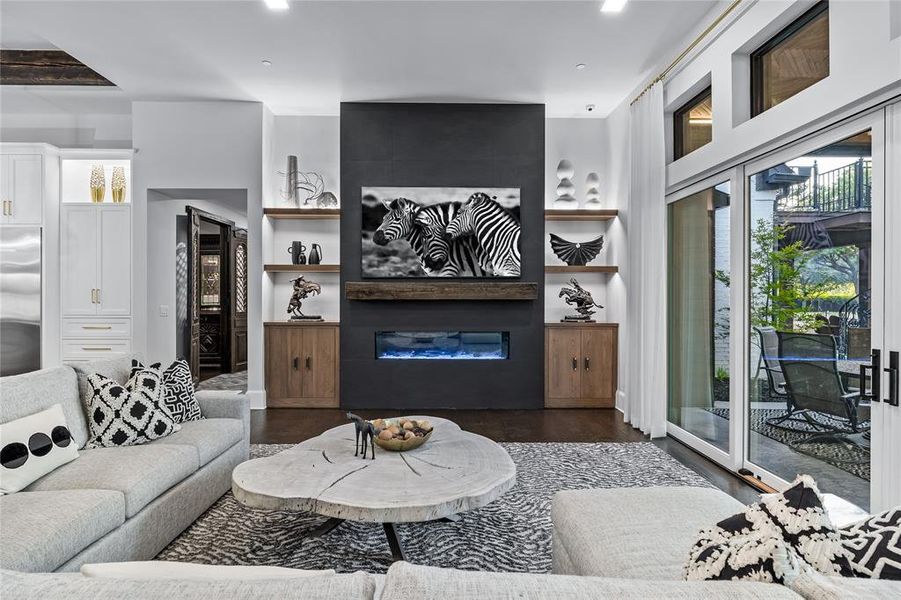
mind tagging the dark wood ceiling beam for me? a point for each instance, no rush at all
(46, 67)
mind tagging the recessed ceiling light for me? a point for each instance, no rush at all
(589, 107)
(267, 63)
(613, 6)
(277, 4)
(580, 66)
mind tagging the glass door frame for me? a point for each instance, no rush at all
(731, 460)
(875, 123)
(885, 485)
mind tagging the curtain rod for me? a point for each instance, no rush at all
(690, 47)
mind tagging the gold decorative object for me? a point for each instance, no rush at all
(117, 185)
(98, 183)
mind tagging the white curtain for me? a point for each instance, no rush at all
(645, 393)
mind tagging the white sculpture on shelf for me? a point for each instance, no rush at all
(592, 195)
(565, 187)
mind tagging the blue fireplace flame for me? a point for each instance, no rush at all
(442, 345)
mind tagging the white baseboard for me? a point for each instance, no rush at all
(257, 399)
(620, 401)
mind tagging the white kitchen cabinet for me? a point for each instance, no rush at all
(96, 260)
(22, 181)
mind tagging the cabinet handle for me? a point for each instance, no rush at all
(96, 326)
(294, 363)
(98, 296)
(5, 209)
(11, 209)
(575, 364)
(308, 363)
(93, 296)
(587, 363)
(99, 349)
(892, 370)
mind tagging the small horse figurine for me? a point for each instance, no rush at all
(365, 429)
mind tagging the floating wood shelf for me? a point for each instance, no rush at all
(581, 269)
(302, 268)
(302, 213)
(440, 290)
(552, 214)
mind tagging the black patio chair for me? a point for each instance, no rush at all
(816, 395)
(769, 356)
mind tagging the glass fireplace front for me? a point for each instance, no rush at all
(442, 345)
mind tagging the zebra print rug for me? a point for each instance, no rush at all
(511, 534)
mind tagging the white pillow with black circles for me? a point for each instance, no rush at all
(33, 446)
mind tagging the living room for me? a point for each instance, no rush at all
(476, 299)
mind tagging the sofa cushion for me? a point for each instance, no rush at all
(117, 369)
(178, 390)
(168, 569)
(874, 545)
(141, 473)
(816, 586)
(211, 437)
(26, 394)
(33, 446)
(771, 540)
(42, 530)
(413, 582)
(44, 586)
(612, 533)
(129, 415)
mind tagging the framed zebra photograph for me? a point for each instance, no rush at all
(440, 232)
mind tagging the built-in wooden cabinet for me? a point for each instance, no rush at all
(301, 365)
(95, 290)
(581, 365)
(21, 189)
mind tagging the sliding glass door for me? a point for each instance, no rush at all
(815, 309)
(778, 277)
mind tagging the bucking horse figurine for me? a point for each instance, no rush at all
(580, 298)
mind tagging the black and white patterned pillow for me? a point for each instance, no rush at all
(178, 395)
(128, 415)
(774, 540)
(874, 545)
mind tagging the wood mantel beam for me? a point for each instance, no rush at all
(46, 67)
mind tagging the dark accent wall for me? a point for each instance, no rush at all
(443, 145)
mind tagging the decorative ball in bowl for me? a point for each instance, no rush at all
(401, 434)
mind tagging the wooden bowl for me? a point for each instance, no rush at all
(399, 445)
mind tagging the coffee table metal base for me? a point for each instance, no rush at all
(397, 547)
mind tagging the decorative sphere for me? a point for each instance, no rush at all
(592, 180)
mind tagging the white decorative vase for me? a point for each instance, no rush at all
(565, 187)
(592, 195)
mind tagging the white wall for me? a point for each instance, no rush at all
(161, 240)
(864, 66)
(200, 145)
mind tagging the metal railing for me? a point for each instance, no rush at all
(846, 189)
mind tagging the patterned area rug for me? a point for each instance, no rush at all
(511, 534)
(846, 456)
(227, 381)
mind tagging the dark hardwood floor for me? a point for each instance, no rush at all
(293, 425)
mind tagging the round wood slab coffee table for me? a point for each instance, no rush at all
(454, 471)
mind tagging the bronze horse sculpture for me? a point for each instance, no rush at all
(580, 298)
(364, 430)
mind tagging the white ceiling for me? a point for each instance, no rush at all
(326, 52)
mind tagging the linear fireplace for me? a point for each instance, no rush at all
(442, 345)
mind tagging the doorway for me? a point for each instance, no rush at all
(213, 334)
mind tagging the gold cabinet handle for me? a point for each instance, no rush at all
(96, 348)
(7, 209)
(93, 295)
(99, 301)
(96, 326)
(11, 208)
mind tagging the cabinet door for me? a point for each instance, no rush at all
(115, 260)
(599, 366)
(284, 370)
(78, 247)
(5, 187)
(320, 363)
(563, 358)
(25, 191)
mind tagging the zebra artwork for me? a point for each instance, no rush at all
(495, 230)
(404, 233)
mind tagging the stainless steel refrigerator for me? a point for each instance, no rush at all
(20, 300)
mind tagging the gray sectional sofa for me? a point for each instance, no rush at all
(114, 504)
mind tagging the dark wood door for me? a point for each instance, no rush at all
(194, 293)
(238, 299)
(564, 351)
